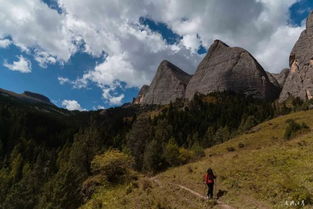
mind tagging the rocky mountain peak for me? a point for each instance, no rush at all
(309, 22)
(142, 92)
(299, 82)
(168, 84)
(234, 69)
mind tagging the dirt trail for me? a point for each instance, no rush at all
(220, 203)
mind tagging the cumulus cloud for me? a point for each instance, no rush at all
(109, 94)
(132, 51)
(44, 58)
(63, 80)
(72, 105)
(4, 43)
(98, 107)
(251, 24)
(32, 24)
(22, 65)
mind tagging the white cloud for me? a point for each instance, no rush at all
(251, 24)
(32, 24)
(116, 100)
(72, 105)
(4, 43)
(63, 80)
(44, 58)
(132, 51)
(22, 65)
(109, 94)
(276, 57)
(98, 107)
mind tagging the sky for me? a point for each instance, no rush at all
(88, 55)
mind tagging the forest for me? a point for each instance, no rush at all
(54, 158)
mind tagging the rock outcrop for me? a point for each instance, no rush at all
(234, 69)
(299, 82)
(168, 84)
(279, 78)
(139, 99)
(273, 80)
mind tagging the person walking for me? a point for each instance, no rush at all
(208, 179)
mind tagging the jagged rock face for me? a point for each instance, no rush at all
(144, 89)
(280, 78)
(273, 80)
(299, 82)
(234, 69)
(168, 85)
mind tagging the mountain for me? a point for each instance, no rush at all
(142, 92)
(273, 79)
(234, 69)
(168, 84)
(280, 78)
(299, 82)
(27, 96)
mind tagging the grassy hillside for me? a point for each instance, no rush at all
(259, 169)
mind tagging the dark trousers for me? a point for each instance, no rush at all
(210, 190)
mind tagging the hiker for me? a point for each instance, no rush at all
(208, 179)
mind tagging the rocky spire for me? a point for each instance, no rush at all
(309, 22)
(234, 69)
(299, 82)
(168, 84)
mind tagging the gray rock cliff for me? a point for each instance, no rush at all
(299, 82)
(168, 84)
(234, 69)
(279, 78)
(142, 92)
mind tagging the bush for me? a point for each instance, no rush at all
(185, 155)
(113, 164)
(153, 160)
(231, 149)
(293, 129)
(241, 145)
(171, 153)
(197, 150)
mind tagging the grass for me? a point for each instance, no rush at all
(262, 170)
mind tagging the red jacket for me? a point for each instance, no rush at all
(208, 179)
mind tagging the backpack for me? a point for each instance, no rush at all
(208, 179)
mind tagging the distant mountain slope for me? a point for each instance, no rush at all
(27, 96)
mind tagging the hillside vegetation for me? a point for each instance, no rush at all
(54, 159)
(258, 169)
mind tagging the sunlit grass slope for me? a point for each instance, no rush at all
(259, 169)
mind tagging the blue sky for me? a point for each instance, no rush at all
(46, 79)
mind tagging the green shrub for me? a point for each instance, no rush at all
(153, 160)
(185, 155)
(112, 164)
(171, 153)
(197, 150)
(293, 129)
